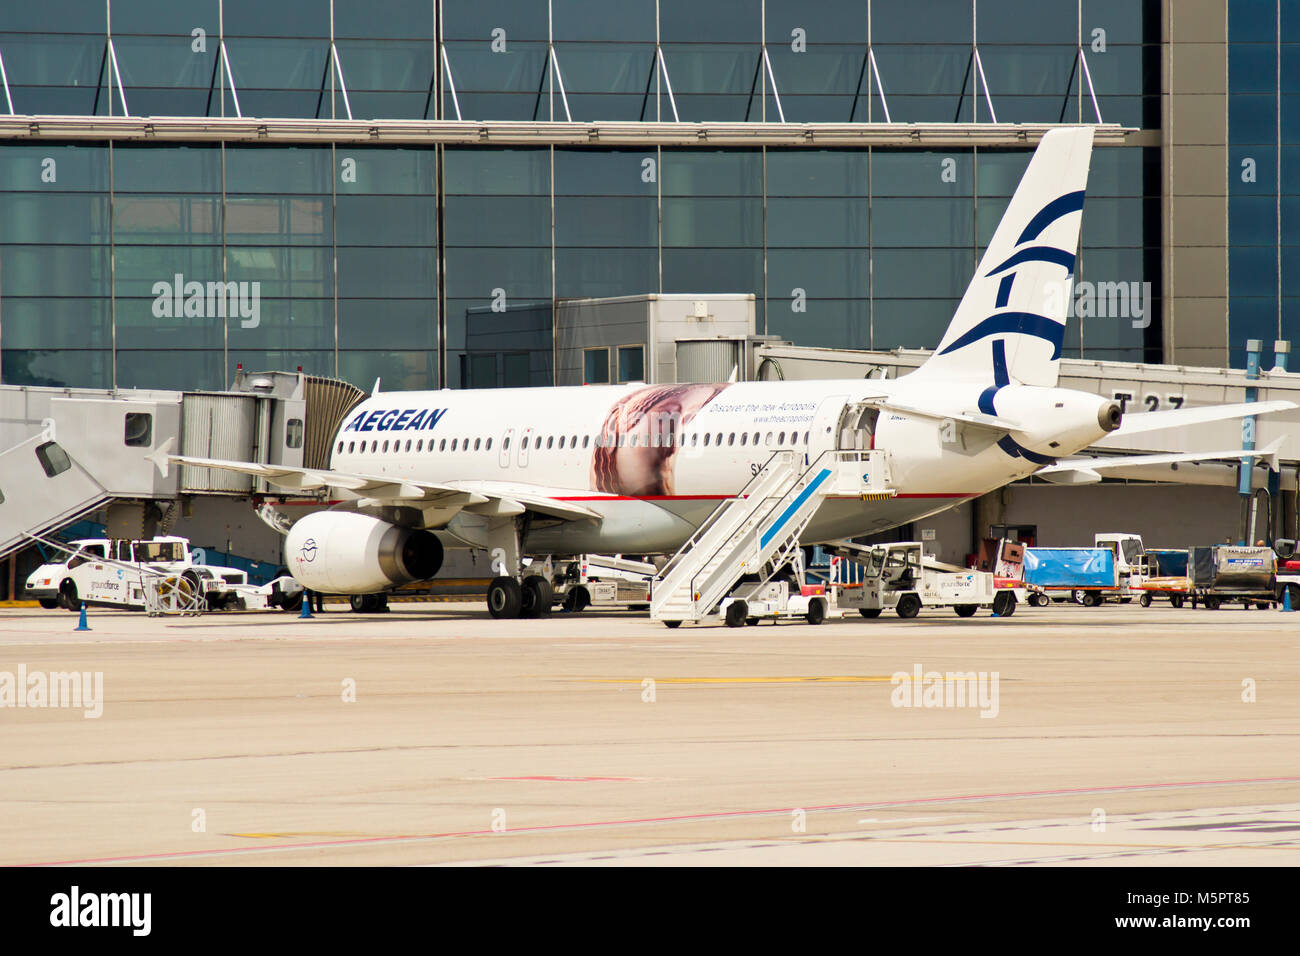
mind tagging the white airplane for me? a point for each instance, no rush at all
(637, 468)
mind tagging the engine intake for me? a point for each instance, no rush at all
(343, 552)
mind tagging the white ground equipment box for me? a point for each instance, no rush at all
(778, 601)
(610, 582)
(903, 578)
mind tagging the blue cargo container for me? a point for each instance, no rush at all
(1070, 568)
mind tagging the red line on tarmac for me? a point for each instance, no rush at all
(681, 818)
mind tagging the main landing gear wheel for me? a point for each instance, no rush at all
(1176, 600)
(671, 624)
(535, 596)
(909, 605)
(1004, 604)
(504, 597)
(869, 612)
(966, 610)
(361, 603)
(737, 611)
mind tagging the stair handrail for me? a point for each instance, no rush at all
(762, 475)
(793, 490)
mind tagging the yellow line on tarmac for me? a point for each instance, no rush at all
(305, 833)
(844, 679)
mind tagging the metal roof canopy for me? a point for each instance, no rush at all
(510, 133)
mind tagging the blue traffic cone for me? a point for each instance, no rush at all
(305, 614)
(1286, 599)
(81, 621)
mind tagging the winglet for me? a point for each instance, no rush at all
(161, 458)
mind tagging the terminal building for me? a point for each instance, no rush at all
(443, 194)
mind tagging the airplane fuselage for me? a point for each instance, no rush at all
(654, 461)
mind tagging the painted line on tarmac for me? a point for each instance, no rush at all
(397, 839)
(828, 679)
(847, 679)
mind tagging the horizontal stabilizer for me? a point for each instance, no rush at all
(1141, 422)
(1081, 471)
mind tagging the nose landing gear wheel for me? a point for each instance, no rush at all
(504, 597)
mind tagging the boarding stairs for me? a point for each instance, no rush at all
(757, 532)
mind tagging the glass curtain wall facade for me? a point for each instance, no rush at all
(1263, 191)
(167, 264)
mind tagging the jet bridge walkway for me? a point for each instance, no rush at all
(66, 453)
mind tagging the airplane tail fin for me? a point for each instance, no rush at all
(1010, 324)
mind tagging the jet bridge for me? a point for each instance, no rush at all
(70, 452)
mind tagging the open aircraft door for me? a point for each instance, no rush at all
(857, 427)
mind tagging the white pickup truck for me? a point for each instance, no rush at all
(109, 572)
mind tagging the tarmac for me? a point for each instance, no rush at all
(434, 734)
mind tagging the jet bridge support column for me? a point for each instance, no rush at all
(1281, 350)
(1253, 349)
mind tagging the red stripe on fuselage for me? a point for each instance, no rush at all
(936, 494)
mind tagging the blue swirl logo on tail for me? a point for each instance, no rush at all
(1026, 323)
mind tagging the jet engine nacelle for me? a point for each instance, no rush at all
(343, 552)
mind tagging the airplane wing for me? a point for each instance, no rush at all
(493, 497)
(1084, 471)
(1178, 417)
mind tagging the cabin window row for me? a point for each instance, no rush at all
(635, 440)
